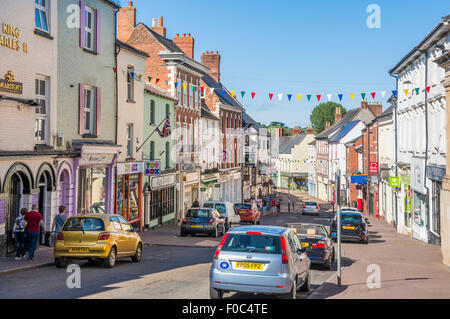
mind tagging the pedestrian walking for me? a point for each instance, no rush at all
(59, 221)
(264, 206)
(34, 220)
(274, 206)
(258, 202)
(278, 205)
(195, 204)
(19, 234)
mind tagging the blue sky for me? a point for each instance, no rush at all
(299, 46)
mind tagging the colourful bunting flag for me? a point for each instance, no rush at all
(253, 95)
(140, 77)
(289, 96)
(280, 96)
(157, 80)
(394, 93)
(167, 82)
(340, 97)
(222, 92)
(184, 86)
(271, 96)
(299, 96)
(202, 89)
(428, 89)
(309, 97)
(242, 94)
(406, 92)
(232, 93)
(383, 93)
(115, 70)
(417, 91)
(318, 97)
(363, 95)
(211, 90)
(176, 84)
(329, 97)
(352, 95)
(192, 88)
(373, 95)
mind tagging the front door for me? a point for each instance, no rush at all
(14, 205)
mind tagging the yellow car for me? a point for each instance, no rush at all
(97, 236)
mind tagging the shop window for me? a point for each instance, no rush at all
(92, 190)
(41, 94)
(128, 199)
(40, 14)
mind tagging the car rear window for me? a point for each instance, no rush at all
(208, 205)
(196, 213)
(310, 203)
(84, 224)
(312, 230)
(243, 206)
(265, 244)
(221, 209)
(355, 219)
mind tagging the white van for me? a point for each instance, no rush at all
(226, 210)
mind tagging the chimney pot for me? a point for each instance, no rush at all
(130, 4)
(160, 22)
(153, 22)
(184, 35)
(189, 35)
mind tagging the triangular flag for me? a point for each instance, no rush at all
(417, 91)
(318, 97)
(115, 70)
(140, 76)
(394, 93)
(222, 92)
(406, 91)
(329, 97)
(289, 97)
(132, 74)
(340, 97)
(242, 94)
(299, 96)
(253, 95)
(167, 82)
(232, 93)
(352, 95)
(157, 80)
(271, 96)
(176, 84)
(309, 97)
(383, 93)
(202, 89)
(192, 88)
(184, 86)
(211, 90)
(428, 89)
(373, 95)
(280, 96)
(363, 95)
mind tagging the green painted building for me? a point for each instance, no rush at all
(160, 192)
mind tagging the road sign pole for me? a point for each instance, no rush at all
(338, 218)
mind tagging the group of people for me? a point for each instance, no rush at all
(27, 227)
(261, 203)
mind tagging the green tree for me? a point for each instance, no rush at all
(324, 112)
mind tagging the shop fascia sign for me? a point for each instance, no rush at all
(9, 84)
(97, 159)
(130, 168)
(163, 181)
(188, 167)
(152, 168)
(10, 38)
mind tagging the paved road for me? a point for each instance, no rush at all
(165, 272)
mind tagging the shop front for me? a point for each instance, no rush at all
(419, 199)
(95, 178)
(128, 195)
(191, 183)
(208, 191)
(405, 205)
(159, 200)
(435, 176)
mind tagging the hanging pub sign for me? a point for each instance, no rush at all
(373, 167)
(358, 179)
(394, 181)
(152, 168)
(9, 84)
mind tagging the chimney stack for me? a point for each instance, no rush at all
(126, 21)
(310, 130)
(159, 28)
(376, 108)
(363, 104)
(338, 114)
(185, 43)
(327, 125)
(212, 61)
(296, 131)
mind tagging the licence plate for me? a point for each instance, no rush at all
(196, 226)
(348, 227)
(78, 250)
(246, 265)
(305, 244)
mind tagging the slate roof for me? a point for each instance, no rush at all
(168, 44)
(130, 48)
(206, 113)
(288, 142)
(226, 98)
(349, 116)
(248, 121)
(159, 92)
(386, 115)
(343, 131)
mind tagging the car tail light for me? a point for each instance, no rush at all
(211, 220)
(320, 244)
(184, 221)
(60, 236)
(317, 207)
(254, 233)
(362, 236)
(304, 206)
(280, 287)
(104, 236)
(216, 254)
(284, 256)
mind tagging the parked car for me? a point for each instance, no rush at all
(317, 237)
(203, 221)
(354, 227)
(247, 214)
(351, 209)
(260, 259)
(226, 210)
(97, 237)
(311, 208)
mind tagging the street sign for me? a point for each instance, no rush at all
(394, 181)
(188, 167)
(358, 179)
(373, 167)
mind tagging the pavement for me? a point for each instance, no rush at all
(407, 268)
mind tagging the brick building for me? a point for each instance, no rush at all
(171, 67)
(355, 167)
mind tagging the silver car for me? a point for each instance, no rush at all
(260, 259)
(311, 208)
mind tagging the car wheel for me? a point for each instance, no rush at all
(328, 263)
(259, 222)
(293, 293)
(366, 241)
(182, 233)
(306, 285)
(215, 293)
(138, 256)
(110, 261)
(61, 262)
